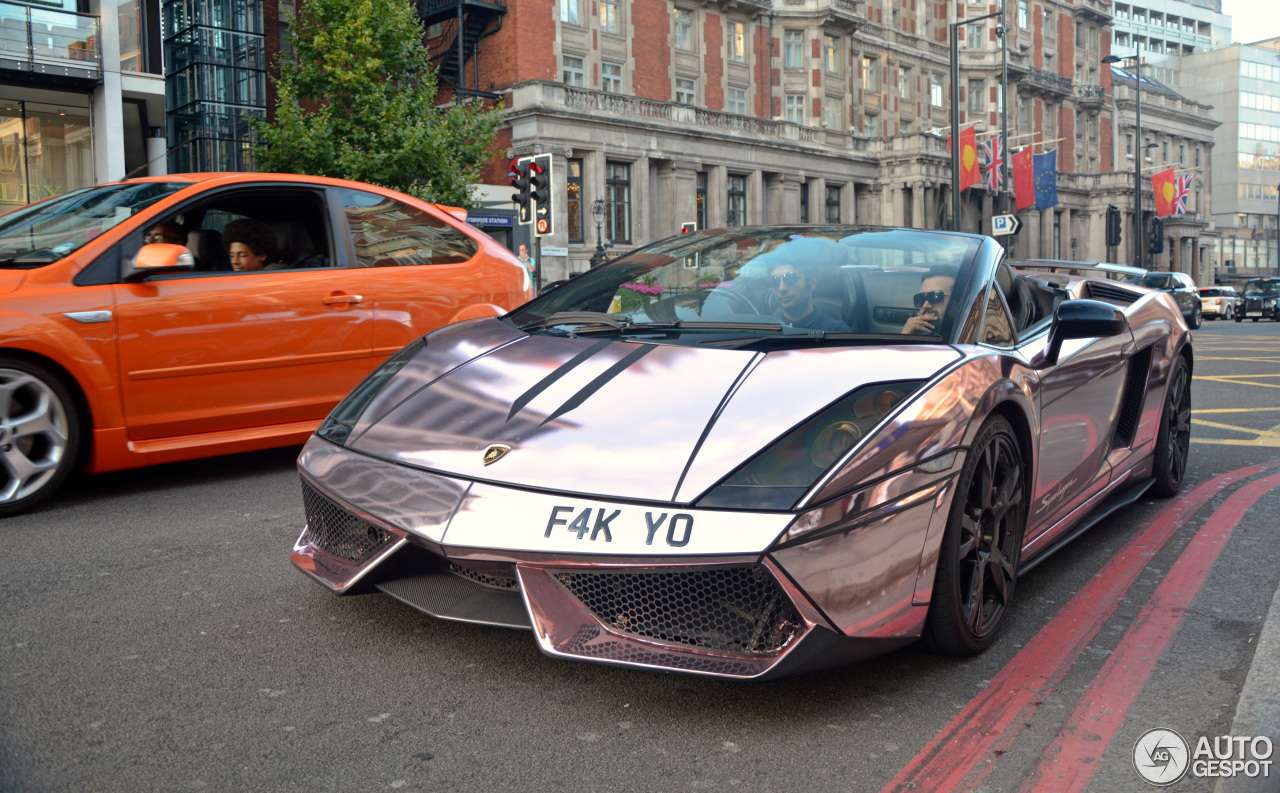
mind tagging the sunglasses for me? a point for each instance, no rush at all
(790, 279)
(934, 298)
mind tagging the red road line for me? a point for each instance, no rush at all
(965, 751)
(1070, 761)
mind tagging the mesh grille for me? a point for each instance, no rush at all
(490, 579)
(1100, 291)
(737, 610)
(1134, 393)
(338, 532)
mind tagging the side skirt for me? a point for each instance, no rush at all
(1118, 499)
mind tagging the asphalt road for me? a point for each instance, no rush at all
(156, 638)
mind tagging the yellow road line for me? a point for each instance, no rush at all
(1234, 428)
(1263, 441)
(1230, 410)
(1235, 382)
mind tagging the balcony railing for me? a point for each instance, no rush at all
(48, 45)
(1091, 96)
(1047, 81)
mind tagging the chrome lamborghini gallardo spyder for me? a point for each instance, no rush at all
(754, 452)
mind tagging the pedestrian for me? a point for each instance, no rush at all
(525, 259)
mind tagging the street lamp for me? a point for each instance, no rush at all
(955, 108)
(597, 213)
(1140, 153)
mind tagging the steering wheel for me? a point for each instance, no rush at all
(730, 295)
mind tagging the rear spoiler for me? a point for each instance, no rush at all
(1062, 265)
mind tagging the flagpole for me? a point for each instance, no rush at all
(1005, 172)
(955, 111)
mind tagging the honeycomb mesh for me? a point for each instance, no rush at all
(338, 532)
(492, 580)
(738, 610)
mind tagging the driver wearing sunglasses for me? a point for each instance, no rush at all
(794, 290)
(931, 302)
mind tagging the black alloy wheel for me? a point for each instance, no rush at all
(978, 562)
(1174, 439)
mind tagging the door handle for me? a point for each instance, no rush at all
(336, 299)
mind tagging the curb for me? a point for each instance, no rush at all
(1258, 711)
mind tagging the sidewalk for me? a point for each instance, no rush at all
(1258, 712)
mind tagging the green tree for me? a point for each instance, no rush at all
(359, 104)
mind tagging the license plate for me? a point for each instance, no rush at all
(1254, 314)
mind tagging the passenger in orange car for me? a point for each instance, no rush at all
(167, 232)
(251, 246)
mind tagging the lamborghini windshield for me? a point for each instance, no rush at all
(820, 282)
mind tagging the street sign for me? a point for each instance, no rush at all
(1002, 225)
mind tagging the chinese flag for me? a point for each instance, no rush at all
(1024, 181)
(1166, 191)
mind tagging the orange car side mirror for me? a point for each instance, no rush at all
(160, 257)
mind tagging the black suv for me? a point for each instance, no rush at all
(1180, 287)
(1260, 295)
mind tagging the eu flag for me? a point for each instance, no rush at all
(1046, 176)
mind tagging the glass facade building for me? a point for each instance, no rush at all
(215, 82)
(45, 150)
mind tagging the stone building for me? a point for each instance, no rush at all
(769, 111)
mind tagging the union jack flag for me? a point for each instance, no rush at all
(1183, 185)
(993, 155)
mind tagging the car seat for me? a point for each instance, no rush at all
(206, 248)
(294, 242)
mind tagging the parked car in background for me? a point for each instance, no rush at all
(746, 453)
(1180, 287)
(126, 338)
(1260, 296)
(1219, 302)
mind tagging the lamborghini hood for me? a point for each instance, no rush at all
(616, 418)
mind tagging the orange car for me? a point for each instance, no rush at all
(118, 351)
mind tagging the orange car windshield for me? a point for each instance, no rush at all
(45, 232)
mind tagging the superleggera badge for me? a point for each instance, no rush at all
(495, 453)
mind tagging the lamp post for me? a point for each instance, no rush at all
(955, 111)
(1140, 152)
(597, 213)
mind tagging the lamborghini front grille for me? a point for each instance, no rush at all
(338, 532)
(490, 579)
(737, 610)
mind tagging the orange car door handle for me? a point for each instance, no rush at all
(332, 299)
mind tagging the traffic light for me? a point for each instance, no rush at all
(540, 194)
(1155, 236)
(1113, 225)
(518, 173)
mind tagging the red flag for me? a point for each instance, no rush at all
(1166, 191)
(1024, 182)
(970, 172)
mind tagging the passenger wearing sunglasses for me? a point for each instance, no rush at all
(794, 290)
(932, 301)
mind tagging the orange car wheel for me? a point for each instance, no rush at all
(39, 434)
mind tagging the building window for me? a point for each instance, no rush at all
(975, 96)
(686, 91)
(975, 35)
(1182, 154)
(1023, 21)
(793, 49)
(935, 90)
(569, 12)
(833, 204)
(1197, 156)
(47, 150)
(795, 108)
(617, 199)
(608, 10)
(1024, 113)
(833, 114)
(869, 126)
(737, 100)
(1049, 29)
(870, 75)
(682, 19)
(611, 77)
(573, 199)
(286, 42)
(830, 57)
(573, 71)
(1164, 151)
(904, 82)
(1128, 145)
(738, 41)
(702, 199)
(804, 202)
(737, 210)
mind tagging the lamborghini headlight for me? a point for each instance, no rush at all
(778, 476)
(338, 426)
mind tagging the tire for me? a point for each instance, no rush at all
(1197, 319)
(1255, 319)
(1173, 441)
(39, 456)
(981, 546)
